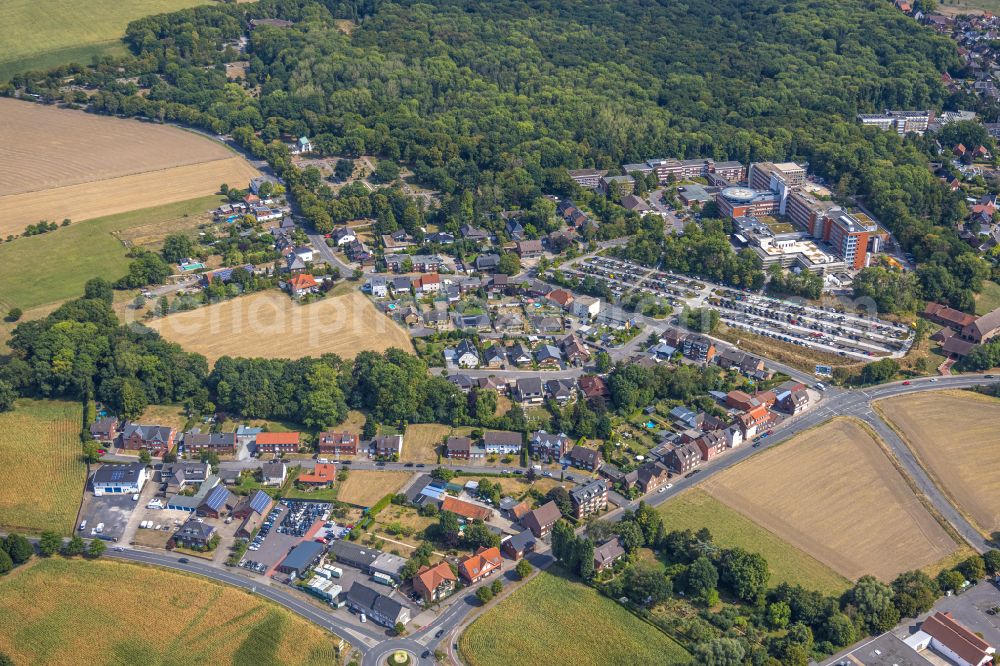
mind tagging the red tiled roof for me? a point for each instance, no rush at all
(958, 639)
(302, 281)
(269, 438)
(560, 296)
(428, 578)
(465, 509)
(323, 473)
(483, 562)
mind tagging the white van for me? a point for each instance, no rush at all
(363, 618)
(83, 525)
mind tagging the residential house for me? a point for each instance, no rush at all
(338, 443)
(711, 444)
(480, 565)
(501, 442)
(589, 498)
(437, 319)
(125, 479)
(434, 583)
(301, 284)
(217, 502)
(179, 475)
(381, 609)
(549, 447)
(740, 400)
(574, 350)
(946, 316)
(514, 229)
(699, 348)
(548, 356)
(683, 458)
(560, 390)
(440, 238)
(652, 475)
(607, 554)
(793, 400)
(528, 390)
(493, 384)
(386, 446)
(105, 430)
(518, 545)
(426, 263)
(474, 234)
(528, 249)
(194, 534)
(466, 510)
(546, 324)
(635, 204)
(305, 253)
(303, 145)
(752, 421)
(585, 306)
(154, 438)
(230, 477)
(294, 263)
(495, 357)
(427, 284)
(498, 285)
(459, 448)
(463, 355)
(277, 442)
(221, 443)
(273, 473)
(983, 329)
(593, 386)
(487, 263)
(519, 354)
(359, 252)
(541, 520)
(343, 236)
(473, 322)
(561, 297)
(378, 286)
(733, 435)
(463, 382)
(322, 476)
(582, 457)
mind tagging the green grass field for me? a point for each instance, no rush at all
(46, 33)
(59, 611)
(53, 267)
(989, 298)
(41, 473)
(553, 620)
(696, 509)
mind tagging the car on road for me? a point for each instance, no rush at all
(547, 473)
(183, 560)
(135, 497)
(425, 654)
(662, 490)
(119, 549)
(408, 465)
(363, 618)
(906, 383)
(421, 465)
(439, 634)
(691, 473)
(990, 376)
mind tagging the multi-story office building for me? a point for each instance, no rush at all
(902, 122)
(741, 201)
(687, 169)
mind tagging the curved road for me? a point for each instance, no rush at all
(375, 643)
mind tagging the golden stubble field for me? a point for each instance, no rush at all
(270, 325)
(956, 437)
(59, 163)
(364, 488)
(832, 493)
(60, 611)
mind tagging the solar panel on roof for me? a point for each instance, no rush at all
(259, 502)
(117, 475)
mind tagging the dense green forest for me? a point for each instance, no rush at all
(489, 102)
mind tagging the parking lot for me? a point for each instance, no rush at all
(826, 329)
(110, 513)
(287, 524)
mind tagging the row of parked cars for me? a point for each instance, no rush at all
(301, 516)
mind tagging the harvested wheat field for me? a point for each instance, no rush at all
(59, 611)
(363, 488)
(833, 493)
(955, 436)
(270, 325)
(58, 163)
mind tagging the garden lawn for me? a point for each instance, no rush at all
(695, 509)
(41, 472)
(554, 620)
(989, 298)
